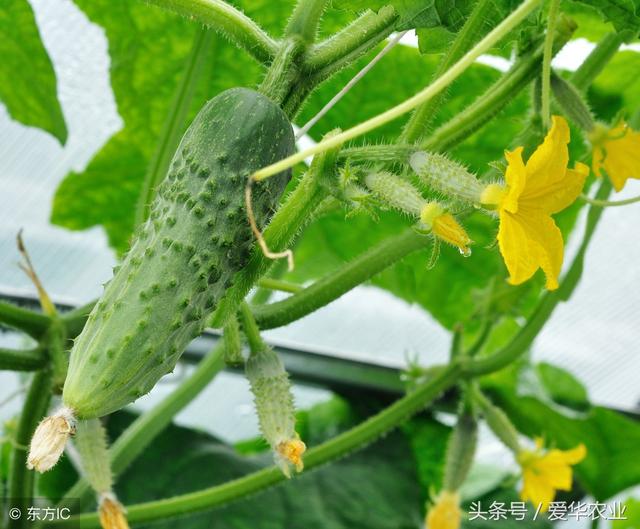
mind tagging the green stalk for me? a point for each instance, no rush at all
(32, 323)
(341, 49)
(146, 427)
(418, 123)
(229, 21)
(21, 480)
(280, 285)
(305, 19)
(331, 287)
(283, 72)
(554, 9)
(597, 60)
(251, 330)
(175, 124)
(22, 360)
(341, 445)
(391, 153)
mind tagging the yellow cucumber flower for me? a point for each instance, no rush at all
(528, 237)
(445, 513)
(545, 472)
(445, 227)
(617, 151)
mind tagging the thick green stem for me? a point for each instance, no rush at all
(341, 445)
(418, 124)
(145, 428)
(251, 330)
(283, 72)
(552, 20)
(280, 285)
(229, 21)
(285, 225)
(305, 19)
(175, 123)
(32, 323)
(344, 279)
(597, 60)
(21, 480)
(392, 153)
(22, 360)
(347, 45)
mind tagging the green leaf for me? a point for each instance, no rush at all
(623, 14)
(612, 440)
(428, 439)
(617, 88)
(28, 84)
(563, 387)
(148, 49)
(435, 38)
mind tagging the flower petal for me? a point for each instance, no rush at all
(515, 178)
(621, 156)
(563, 193)
(548, 164)
(536, 490)
(530, 240)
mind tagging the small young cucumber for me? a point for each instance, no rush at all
(184, 257)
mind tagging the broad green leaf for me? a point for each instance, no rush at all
(428, 439)
(28, 85)
(437, 37)
(617, 88)
(623, 14)
(562, 386)
(148, 49)
(612, 441)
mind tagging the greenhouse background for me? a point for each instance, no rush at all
(596, 334)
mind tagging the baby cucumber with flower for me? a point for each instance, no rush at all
(186, 255)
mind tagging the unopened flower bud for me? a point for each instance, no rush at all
(445, 227)
(49, 440)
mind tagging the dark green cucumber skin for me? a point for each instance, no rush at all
(184, 257)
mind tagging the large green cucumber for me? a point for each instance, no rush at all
(184, 257)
